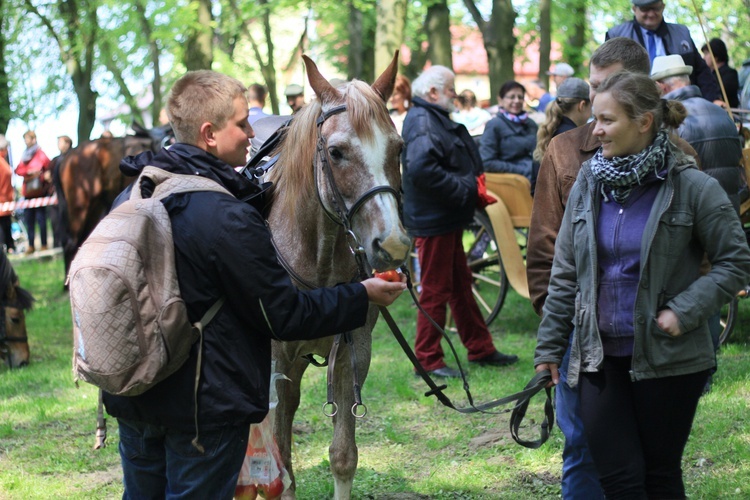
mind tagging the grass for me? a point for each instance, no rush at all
(410, 446)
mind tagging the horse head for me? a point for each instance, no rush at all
(14, 346)
(355, 163)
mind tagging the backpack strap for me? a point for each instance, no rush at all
(168, 183)
(101, 422)
(205, 320)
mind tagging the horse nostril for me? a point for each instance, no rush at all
(22, 364)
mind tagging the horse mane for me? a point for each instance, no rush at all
(24, 299)
(293, 176)
(13, 295)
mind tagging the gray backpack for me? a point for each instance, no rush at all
(130, 325)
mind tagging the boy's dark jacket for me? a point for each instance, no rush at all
(223, 248)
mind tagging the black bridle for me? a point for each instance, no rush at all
(340, 214)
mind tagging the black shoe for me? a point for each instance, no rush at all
(444, 372)
(496, 359)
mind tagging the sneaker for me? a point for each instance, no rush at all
(444, 372)
(496, 359)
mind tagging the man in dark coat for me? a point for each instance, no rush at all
(222, 249)
(661, 38)
(707, 127)
(440, 165)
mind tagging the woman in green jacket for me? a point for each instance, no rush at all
(626, 276)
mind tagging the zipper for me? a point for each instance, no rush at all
(662, 211)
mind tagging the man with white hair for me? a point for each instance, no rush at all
(708, 127)
(440, 165)
(713, 135)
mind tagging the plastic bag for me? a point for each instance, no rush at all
(263, 472)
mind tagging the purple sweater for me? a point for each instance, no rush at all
(619, 233)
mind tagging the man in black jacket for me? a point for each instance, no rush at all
(440, 165)
(222, 249)
(661, 38)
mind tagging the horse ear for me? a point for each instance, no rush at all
(324, 90)
(384, 84)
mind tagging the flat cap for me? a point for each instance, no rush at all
(562, 69)
(574, 88)
(294, 90)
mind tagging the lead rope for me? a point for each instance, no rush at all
(522, 398)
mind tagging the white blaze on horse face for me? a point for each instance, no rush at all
(376, 157)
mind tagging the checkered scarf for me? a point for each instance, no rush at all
(623, 173)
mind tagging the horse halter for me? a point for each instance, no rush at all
(341, 215)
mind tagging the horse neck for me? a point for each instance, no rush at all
(310, 243)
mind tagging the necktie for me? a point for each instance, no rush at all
(651, 45)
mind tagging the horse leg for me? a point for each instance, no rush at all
(343, 453)
(289, 397)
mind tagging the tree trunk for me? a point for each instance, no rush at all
(153, 52)
(502, 44)
(199, 45)
(79, 59)
(438, 24)
(545, 39)
(5, 113)
(574, 51)
(356, 44)
(269, 69)
(499, 40)
(389, 34)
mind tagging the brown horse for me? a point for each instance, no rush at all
(88, 179)
(360, 145)
(14, 345)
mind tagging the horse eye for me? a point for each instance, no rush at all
(335, 153)
(15, 321)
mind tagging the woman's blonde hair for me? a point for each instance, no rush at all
(199, 97)
(554, 114)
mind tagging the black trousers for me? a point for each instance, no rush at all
(6, 233)
(637, 431)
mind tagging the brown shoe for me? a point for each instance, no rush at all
(29, 251)
(44, 247)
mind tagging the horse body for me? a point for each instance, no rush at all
(88, 179)
(362, 148)
(14, 345)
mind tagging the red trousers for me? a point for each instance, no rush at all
(446, 280)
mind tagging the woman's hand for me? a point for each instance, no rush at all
(552, 367)
(383, 293)
(667, 321)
